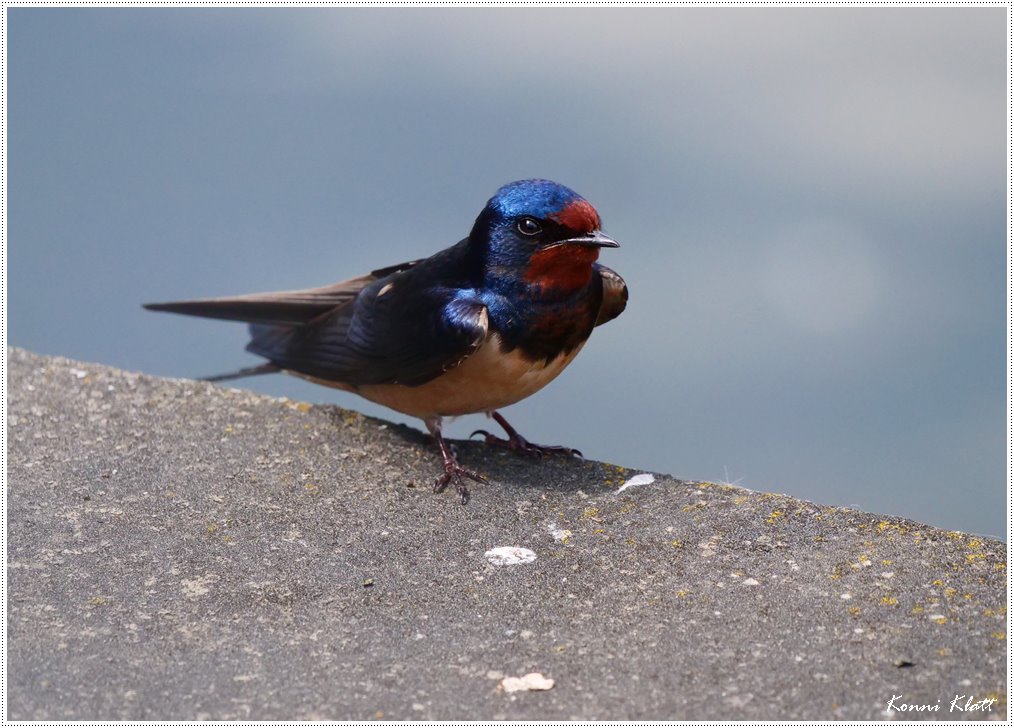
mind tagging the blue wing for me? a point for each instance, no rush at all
(380, 338)
(405, 324)
(406, 327)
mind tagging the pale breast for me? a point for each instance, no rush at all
(487, 380)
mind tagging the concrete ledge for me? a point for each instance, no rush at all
(178, 550)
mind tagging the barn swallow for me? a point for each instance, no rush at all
(473, 328)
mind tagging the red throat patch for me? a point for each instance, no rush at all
(566, 267)
(579, 216)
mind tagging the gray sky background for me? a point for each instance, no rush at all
(811, 204)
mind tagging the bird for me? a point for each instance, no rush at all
(471, 329)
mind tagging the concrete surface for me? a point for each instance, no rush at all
(178, 550)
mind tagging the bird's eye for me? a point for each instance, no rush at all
(529, 226)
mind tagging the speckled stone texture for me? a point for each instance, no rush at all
(178, 550)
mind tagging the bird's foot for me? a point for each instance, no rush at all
(454, 472)
(516, 443)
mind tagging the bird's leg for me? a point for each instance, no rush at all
(516, 443)
(452, 471)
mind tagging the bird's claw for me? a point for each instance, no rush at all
(453, 471)
(488, 436)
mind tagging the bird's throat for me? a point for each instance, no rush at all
(564, 268)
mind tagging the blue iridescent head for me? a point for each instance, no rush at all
(530, 216)
(537, 197)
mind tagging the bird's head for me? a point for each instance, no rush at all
(540, 233)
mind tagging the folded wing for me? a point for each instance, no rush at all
(394, 326)
(614, 295)
(392, 338)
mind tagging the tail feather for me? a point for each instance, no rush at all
(263, 309)
(240, 373)
(292, 308)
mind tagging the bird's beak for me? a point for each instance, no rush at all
(596, 239)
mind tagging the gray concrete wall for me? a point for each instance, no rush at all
(178, 550)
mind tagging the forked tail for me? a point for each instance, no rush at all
(240, 373)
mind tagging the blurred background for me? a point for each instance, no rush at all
(811, 205)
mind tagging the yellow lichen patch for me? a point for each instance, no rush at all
(888, 526)
(886, 562)
(630, 542)
(937, 582)
(740, 499)
(212, 527)
(999, 567)
(955, 535)
(590, 513)
(677, 544)
(97, 601)
(864, 560)
(311, 487)
(972, 558)
(681, 593)
(998, 635)
(775, 515)
(941, 620)
(888, 601)
(917, 609)
(974, 544)
(228, 429)
(997, 697)
(944, 651)
(854, 611)
(950, 592)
